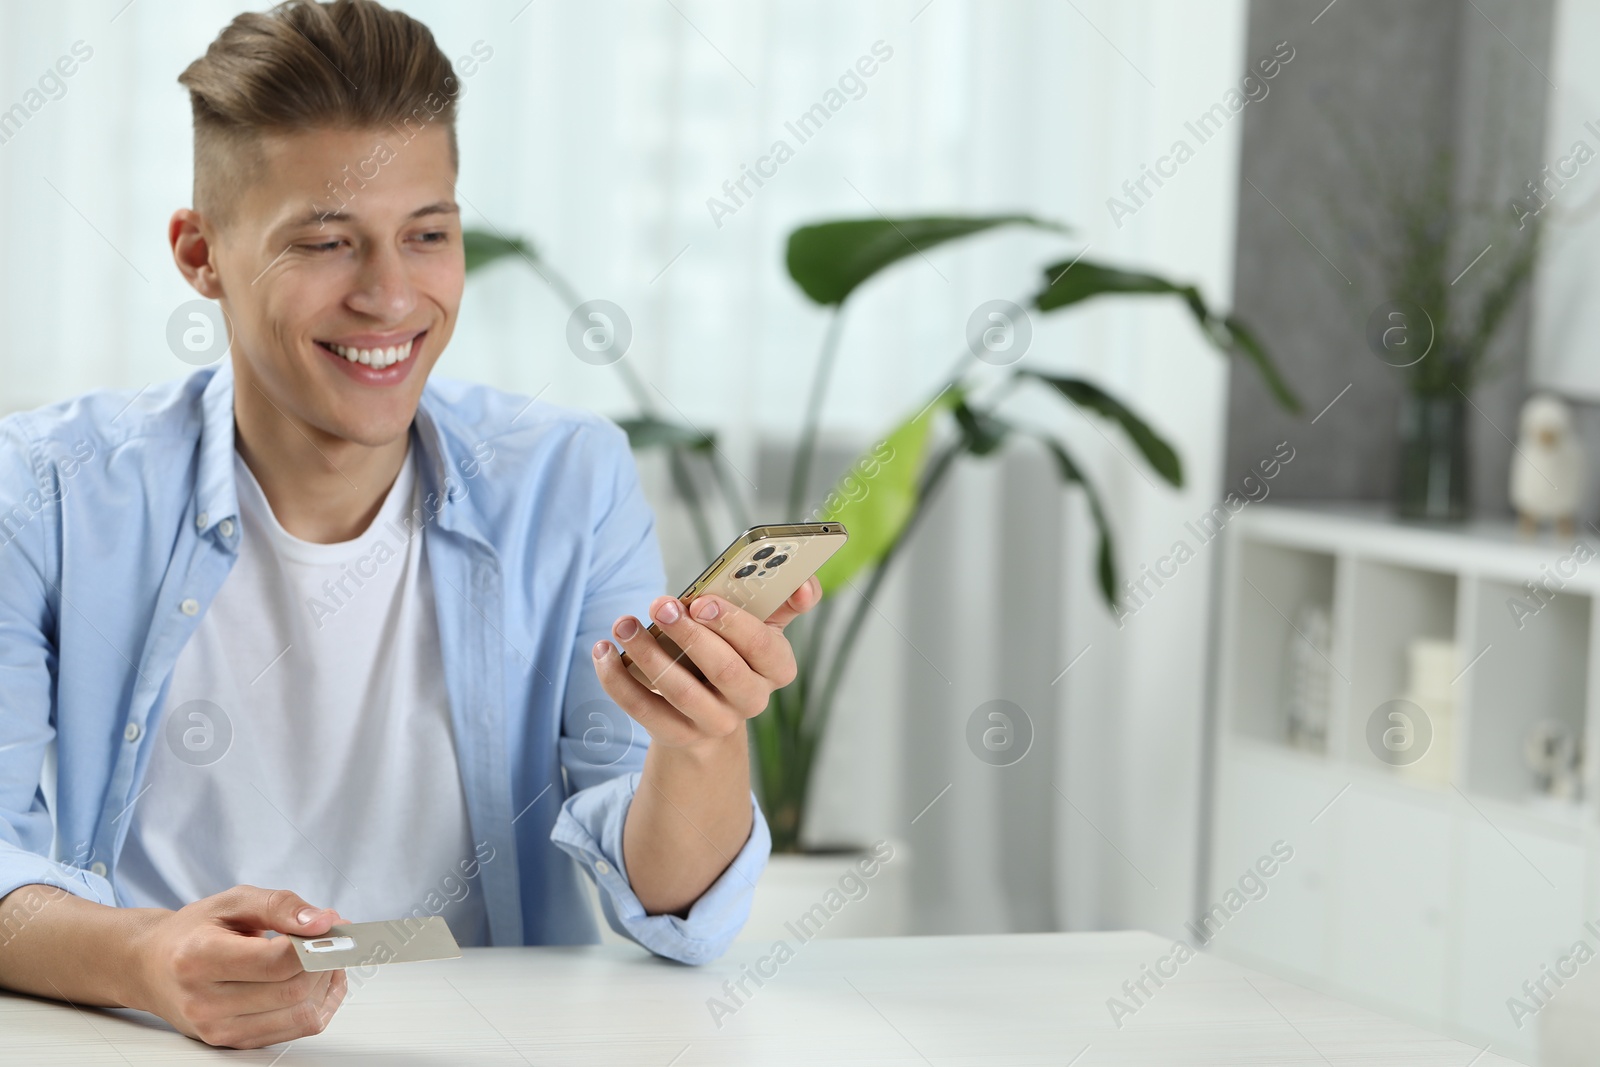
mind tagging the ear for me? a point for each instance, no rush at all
(192, 250)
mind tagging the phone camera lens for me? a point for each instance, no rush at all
(746, 571)
(763, 553)
(775, 560)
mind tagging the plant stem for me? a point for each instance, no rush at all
(730, 492)
(563, 289)
(683, 480)
(809, 663)
(808, 428)
(937, 471)
(677, 458)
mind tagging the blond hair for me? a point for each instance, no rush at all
(349, 64)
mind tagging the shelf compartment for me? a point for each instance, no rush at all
(1274, 586)
(1532, 667)
(1391, 606)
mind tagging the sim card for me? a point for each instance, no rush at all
(409, 940)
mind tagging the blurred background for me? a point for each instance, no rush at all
(1343, 564)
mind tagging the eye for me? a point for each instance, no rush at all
(434, 237)
(321, 246)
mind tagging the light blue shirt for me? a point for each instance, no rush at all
(118, 524)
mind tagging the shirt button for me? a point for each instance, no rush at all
(602, 867)
(225, 527)
(97, 868)
(131, 732)
(200, 520)
(190, 606)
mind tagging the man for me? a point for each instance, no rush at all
(312, 622)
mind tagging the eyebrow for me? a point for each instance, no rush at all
(317, 218)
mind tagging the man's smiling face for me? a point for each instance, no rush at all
(341, 304)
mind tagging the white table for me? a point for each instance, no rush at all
(1024, 999)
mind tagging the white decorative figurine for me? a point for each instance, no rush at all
(1547, 467)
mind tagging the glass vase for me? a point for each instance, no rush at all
(1433, 457)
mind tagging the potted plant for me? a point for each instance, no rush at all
(1448, 266)
(884, 494)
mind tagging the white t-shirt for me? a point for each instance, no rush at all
(307, 736)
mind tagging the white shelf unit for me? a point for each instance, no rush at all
(1432, 901)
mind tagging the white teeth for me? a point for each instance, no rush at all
(374, 357)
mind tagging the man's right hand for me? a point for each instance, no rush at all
(209, 970)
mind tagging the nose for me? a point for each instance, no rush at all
(383, 289)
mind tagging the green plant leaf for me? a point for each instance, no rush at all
(983, 431)
(1247, 346)
(1071, 473)
(1073, 281)
(828, 260)
(483, 248)
(1161, 456)
(876, 496)
(647, 431)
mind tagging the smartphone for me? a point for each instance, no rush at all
(763, 567)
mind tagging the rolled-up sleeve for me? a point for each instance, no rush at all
(589, 829)
(19, 867)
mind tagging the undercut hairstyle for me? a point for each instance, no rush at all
(345, 65)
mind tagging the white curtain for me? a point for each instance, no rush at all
(599, 131)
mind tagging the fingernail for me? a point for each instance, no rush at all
(305, 916)
(626, 628)
(668, 613)
(601, 648)
(704, 609)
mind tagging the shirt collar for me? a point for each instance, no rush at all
(215, 497)
(443, 489)
(445, 469)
